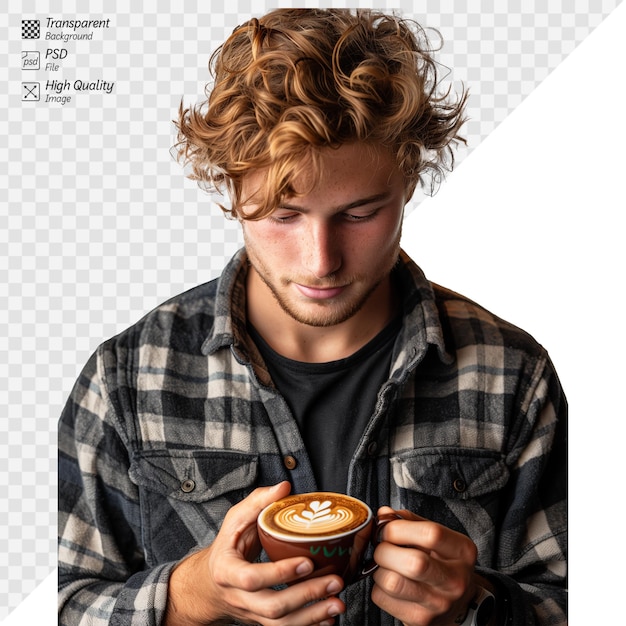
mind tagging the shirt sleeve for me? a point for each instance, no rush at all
(103, 577)
(531, 567)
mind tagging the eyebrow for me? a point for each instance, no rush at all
(379, 197)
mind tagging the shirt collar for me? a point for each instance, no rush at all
(421, 327)
(230, 305)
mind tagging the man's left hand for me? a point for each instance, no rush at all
(426, 571)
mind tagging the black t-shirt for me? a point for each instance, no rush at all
(332, 402)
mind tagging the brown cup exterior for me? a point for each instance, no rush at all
(342, 555)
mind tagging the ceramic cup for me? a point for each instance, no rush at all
(332, 529)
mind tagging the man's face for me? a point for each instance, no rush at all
(325, 257)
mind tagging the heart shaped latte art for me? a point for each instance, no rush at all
(316, 516)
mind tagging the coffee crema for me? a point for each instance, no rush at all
(315, 514)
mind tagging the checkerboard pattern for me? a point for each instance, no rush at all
(98, 223)
(30, 29)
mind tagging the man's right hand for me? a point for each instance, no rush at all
(220, 583)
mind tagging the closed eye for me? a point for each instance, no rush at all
(283, 217)
(360, 217)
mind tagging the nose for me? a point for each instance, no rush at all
(323, 250)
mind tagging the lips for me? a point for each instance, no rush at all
(319, 293)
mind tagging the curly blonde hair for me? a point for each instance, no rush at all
(299, 80)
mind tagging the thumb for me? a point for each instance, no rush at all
(245, 513)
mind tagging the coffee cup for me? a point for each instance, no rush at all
(332, 529)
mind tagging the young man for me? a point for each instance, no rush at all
(320, 359)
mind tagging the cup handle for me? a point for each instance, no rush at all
(381, 521)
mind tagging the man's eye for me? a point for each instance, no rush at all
(357, 217)
(282, 217)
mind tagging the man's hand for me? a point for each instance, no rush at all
(426, 571)
(219, 583)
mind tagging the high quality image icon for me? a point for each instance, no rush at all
(30, 92)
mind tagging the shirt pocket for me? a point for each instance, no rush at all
(460, 488)
(185, 494)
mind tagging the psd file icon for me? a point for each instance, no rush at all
(30, 92)
(31, 60)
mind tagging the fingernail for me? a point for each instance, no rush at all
(333, 588)
(304, 568)
(333, 611)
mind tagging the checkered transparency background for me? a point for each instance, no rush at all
(98, 224)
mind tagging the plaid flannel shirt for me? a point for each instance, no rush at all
(176, 419)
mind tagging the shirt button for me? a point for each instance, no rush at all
(187, 485)
(372, 448)
(290, 462)
(459, 485)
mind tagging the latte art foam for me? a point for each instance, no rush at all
(318, 514)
